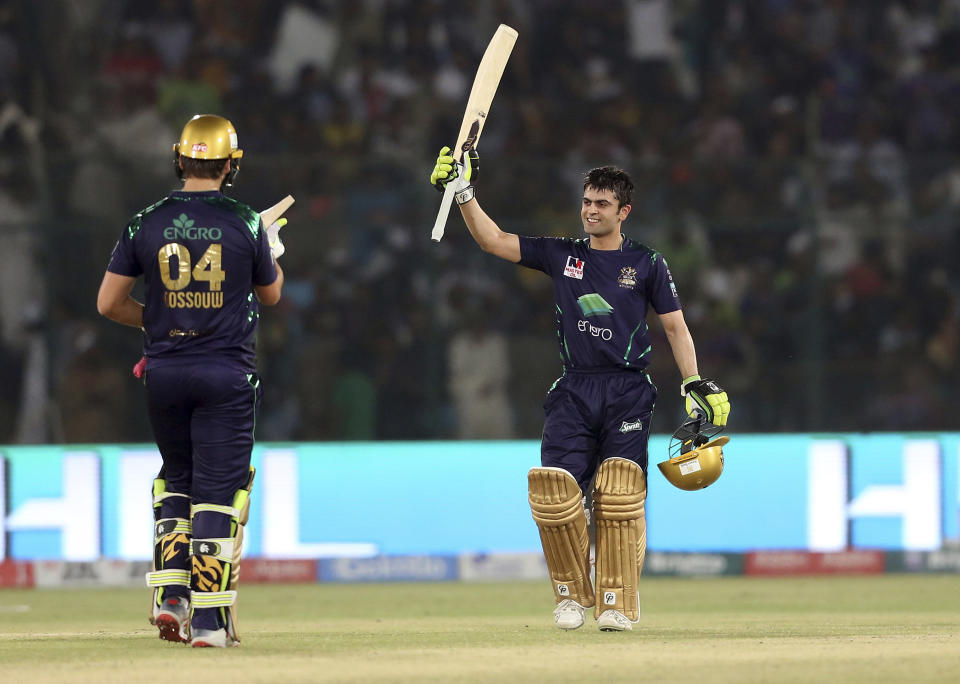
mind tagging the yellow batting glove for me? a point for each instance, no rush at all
(707, 397)
(445, 170)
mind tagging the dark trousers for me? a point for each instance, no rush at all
(591, 416)
(203, 418)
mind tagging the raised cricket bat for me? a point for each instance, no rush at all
(268, 216)
(478, 107)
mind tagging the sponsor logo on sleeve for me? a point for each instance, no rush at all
(673, 285)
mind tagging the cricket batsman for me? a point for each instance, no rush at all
(597, 414)
(208, 264)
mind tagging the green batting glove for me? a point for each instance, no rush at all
(444, 171)
(706, 396)
(448, 169)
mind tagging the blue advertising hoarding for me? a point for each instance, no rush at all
(327, 500)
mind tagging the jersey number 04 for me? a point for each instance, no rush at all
(208, 267)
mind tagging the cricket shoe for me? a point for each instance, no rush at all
(172, 619)
(613, 621)
(568, 614)
(211, 638)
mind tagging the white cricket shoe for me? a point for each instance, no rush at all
(568, 614)
(211, 638)
(172, 619)
(613, 621)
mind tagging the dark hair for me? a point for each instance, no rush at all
(202, 168)
(610, 178)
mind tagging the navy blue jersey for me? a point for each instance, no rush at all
(200, 254)
(602, 298)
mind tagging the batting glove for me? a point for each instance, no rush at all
(463, 173)
(706, 396)
(273, 237)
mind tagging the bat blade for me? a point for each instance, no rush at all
(268, 216)
(485, 85)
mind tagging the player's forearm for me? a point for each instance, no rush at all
(487, 233)
(483, 229)
(127, 311)
(269, 295)
(684, 352)
(280, 278)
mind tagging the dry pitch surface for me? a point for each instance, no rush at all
(893, 628)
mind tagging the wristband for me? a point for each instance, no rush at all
(465, 195)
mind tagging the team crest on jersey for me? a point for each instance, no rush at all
(628, 277)
(574, 268)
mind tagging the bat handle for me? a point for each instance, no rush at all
(441, 221)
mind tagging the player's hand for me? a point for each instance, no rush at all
(140, 368)
(273, 237)
(706, 396)
(444, 171)
(448, 169)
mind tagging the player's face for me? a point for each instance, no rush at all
(601, 212)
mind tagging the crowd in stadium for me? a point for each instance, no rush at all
(795, 162)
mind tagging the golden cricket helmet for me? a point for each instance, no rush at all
(696, 454)
(208, 136)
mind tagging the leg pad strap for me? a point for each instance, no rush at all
(212, 599)
(168, 578)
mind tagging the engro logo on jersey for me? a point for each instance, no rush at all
(605, 334)
(183, 229)
(574, 268)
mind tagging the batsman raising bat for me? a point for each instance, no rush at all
(208, 263)
(597, 414)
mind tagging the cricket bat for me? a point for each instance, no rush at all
(268, 216)
(478, 107)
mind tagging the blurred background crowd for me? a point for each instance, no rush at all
(795, 161)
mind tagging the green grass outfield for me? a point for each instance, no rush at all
(890, 628)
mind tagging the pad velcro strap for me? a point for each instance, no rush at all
(215, 508)
(159, 497)
(167, 526)
(212, 599)
(167, 578)
(221, 549)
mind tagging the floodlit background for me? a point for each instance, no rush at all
(796, 162)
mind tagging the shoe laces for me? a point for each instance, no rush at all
(568, 606)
